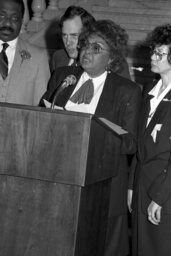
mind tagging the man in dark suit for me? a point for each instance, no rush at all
(72, 23)
(150, 179)
(113, 97)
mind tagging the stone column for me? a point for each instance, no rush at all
(26, 17)
(52, 11)
(37, 22)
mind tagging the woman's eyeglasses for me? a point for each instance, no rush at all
(95, 48)
(159, 55)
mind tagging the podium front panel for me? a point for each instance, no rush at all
(42, 218)
(66, 147)
(44, 145)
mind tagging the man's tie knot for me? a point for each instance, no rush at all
(84, 94)
(4, 46)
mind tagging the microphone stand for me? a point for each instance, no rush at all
(70, 80)
(56, 95)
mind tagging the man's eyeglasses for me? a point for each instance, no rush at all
(159, 55)
(95, 48)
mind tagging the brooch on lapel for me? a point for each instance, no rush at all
(25, 55)
(166, 99)
(156, 129)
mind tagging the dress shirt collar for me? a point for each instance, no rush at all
(96, 80)
(154, 92)
(12, 44)
(71, 61)
(155, 101)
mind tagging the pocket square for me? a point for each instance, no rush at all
(155, 130)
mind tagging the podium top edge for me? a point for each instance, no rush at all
(43, 109)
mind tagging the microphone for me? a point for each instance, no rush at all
(69, 80)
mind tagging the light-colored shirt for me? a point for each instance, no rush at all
(71, 61)
(90, 108)
(10, 51)
(154, 102)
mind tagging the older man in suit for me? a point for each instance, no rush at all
(24, 68)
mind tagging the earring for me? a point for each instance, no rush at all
(108, 68)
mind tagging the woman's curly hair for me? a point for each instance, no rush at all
(161, 35)
(115, 37)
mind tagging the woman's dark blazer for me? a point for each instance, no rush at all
(151, 175)
(119, 102)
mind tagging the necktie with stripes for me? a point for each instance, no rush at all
(4, 61)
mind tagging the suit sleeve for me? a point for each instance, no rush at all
(51, 88)
(59, 59)
(53, 62)
(130, 121)
(42, 77)
(55, 80)
(132, 172)
(160, 189)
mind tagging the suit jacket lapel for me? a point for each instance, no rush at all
(106, 99)
(144, 114)
(142, 126)
(145, 109)
(17, 58)
(159, 113)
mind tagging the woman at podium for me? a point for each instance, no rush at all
(93, 88)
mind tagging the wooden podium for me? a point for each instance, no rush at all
(55, 175)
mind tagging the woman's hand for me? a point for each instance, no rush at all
(154, 213)
(129, 199)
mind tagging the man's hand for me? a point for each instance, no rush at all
(129, 199)
(154, 213)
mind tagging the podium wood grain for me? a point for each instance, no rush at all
(55, 176)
